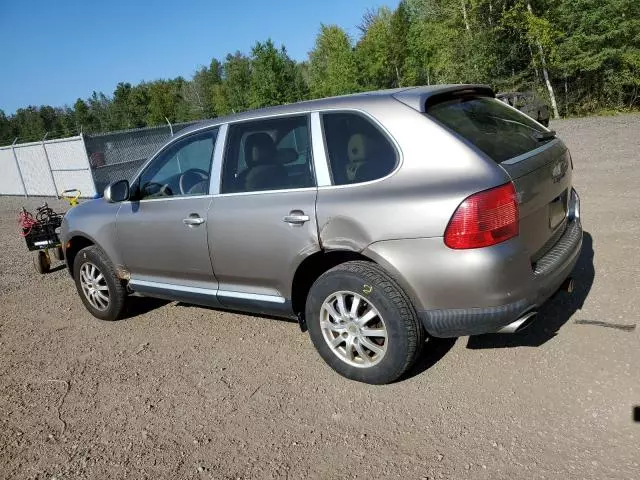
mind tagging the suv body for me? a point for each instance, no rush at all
(290, 210)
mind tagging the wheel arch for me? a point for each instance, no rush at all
(312, 267)
(76, 243)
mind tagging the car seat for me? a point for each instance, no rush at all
(369, 159)
(264, 170)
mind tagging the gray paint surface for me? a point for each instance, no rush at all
(245, 247)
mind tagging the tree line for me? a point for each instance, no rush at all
(581, 56)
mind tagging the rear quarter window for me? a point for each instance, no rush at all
(491, 126)
(358, 151)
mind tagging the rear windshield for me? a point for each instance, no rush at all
(499, 131)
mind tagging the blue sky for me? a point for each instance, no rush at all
(56, 51)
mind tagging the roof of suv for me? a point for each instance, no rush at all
(414, 97)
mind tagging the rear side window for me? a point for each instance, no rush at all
(499, 131)
(270, 154)
(358, 151)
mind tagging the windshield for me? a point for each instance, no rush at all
(499, 131)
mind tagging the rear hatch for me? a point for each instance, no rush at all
(537, 162)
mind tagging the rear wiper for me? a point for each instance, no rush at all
(542, 136)
(537, 134)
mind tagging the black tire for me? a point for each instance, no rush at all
(42, 262)
(405, 335)
(117, 292)
(58, 253)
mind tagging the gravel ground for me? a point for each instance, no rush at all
(182, 392)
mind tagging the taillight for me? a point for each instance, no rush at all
(484, 219)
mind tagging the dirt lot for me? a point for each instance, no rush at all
(181, 392)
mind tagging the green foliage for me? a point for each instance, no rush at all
(599, 53)
(199, 92)
(439, 45)
(166, 102)
(332, 64)
(7, 129)
(399, 46)
(273, 77)
(232, 94)
(130, 105)
(373, 52)
(590, 50)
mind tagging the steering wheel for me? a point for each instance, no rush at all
(162, 190)
(190, 178)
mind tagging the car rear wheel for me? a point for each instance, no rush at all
(363, 324)
(101, 291)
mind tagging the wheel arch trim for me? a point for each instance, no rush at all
(85, 239)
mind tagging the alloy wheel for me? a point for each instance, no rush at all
(94, 286)
(353, 329)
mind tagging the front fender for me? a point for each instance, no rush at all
(94, 221)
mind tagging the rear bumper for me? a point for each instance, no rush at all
(548, 275)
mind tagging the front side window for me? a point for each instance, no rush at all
(181, 170)
(358, 151)
(271, 154)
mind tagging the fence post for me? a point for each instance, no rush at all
(15, 157)
(46, 155)
(86, 156)
(170, 126)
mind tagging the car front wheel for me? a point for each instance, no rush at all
(101, 291)
(363, 324)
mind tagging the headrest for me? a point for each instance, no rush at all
(259, 149)
(287, 155)
(357, 148)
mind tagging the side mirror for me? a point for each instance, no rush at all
(117, 191)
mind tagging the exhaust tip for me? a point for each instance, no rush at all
(520, 324)
(569, 285)
(528, 320)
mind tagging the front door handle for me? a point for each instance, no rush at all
(296, 217)
(193, 220)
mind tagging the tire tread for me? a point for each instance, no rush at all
(373, 274)
(118, 296)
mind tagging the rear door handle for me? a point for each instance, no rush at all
(193, 220)
(296, 217)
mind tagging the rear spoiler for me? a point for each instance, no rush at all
(420, 98)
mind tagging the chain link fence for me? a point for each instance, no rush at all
(119, 155)
(86, 162)
(45, 168)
